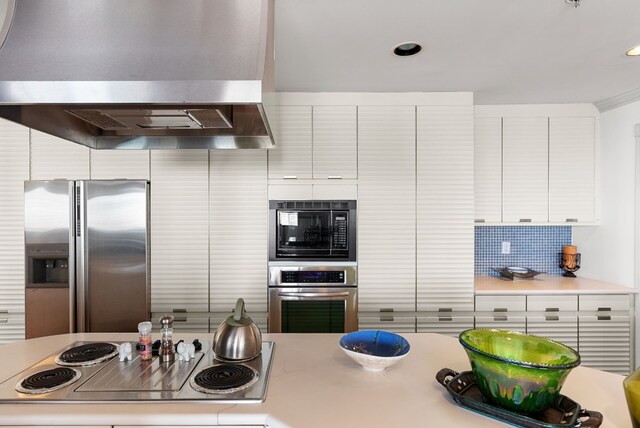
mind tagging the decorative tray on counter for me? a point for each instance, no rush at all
(516, 272)
(563, 413)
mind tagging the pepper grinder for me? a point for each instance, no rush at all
(167, 353)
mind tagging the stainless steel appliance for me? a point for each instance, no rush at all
(310, 297)
(87, 251)
(195, 74)
(91, 372)
(312, 231)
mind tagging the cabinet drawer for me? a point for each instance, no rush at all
(501, 303)
(449, 325)
(503, 322)
(392, 322)
(606, 302)
(552, 303)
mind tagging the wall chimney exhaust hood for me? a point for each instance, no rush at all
(140, 74)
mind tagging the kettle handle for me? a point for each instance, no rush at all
(239, 310)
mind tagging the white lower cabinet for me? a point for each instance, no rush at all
(447, 324)
(11, 327)
(605, 342)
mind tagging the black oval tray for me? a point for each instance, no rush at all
(563, 413)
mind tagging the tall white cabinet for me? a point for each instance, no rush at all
(386, 208)
(14, 169)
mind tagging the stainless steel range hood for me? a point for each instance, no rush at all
(141, 74)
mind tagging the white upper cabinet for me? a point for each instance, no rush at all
(445, 232)
(335, 142)
(53, 157)
(525, 169)
(292, 157)
(116, 164)
(572, 169)
(179, 230)
(386, 208)
(488, 169)
(319, 142)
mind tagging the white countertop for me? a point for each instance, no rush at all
(312, 384)
(547, 284)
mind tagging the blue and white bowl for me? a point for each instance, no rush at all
(374, 350)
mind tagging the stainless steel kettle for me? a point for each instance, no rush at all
(237, 338)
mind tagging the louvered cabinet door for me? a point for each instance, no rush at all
(572, 184)
(386, 208)
(488, 170)
(605, 342)
(561, 328)
(11, 328)
(239, 213)
(445, 229)
(502, 322)
(396, 322)
(449, 325)
(119, 164)
(292, 157)
(179, 230)
(14, 169)
(335, 142)
(53, 157)
(525, 170)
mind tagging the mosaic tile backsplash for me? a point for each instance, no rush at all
(535, 247)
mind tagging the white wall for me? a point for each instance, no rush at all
(608, 250)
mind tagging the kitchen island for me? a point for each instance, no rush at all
(312, 384)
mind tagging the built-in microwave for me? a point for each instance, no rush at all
(312, 230)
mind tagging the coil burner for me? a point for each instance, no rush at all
(47, 380)
(224, 378)
(87, 355)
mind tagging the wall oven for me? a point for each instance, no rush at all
(312, 231)
(313, 297)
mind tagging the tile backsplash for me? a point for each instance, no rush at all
(535, 247)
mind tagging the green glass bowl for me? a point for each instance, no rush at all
(518, 371)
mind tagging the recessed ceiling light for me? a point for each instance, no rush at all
(407, 49)
(634, 51)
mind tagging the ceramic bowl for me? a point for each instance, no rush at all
(374, 350)
(518, 371)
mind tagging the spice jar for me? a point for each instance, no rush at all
(167, 353)
(144, 341)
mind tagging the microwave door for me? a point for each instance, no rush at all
(304, 233)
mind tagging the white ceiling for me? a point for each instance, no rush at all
(505, 51)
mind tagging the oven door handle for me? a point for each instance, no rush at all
(315, 295)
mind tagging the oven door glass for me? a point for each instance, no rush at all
(312, 316)
(312, 233)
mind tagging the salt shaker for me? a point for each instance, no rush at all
(167, 353)
(144, 342)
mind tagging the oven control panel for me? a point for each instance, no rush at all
(311, 277)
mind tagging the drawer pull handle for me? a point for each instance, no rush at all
(386, 319)
(552, 318)
(604, 309)
(571, 220)
(386, 309)
(445, 319)
(525, 220)
(604, 317)
(553, 310)
(180, 311)
(180, 319)
(445, 310)
(335, 177)
(501, 318)
(500, 310)
(479, 220)
(4, 320)
(4, 311)
(290, 177)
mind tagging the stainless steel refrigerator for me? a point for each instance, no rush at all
(86, 256)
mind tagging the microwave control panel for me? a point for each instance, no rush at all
(311, 277)
(340, 231)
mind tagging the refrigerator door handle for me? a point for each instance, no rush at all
(80, 258)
